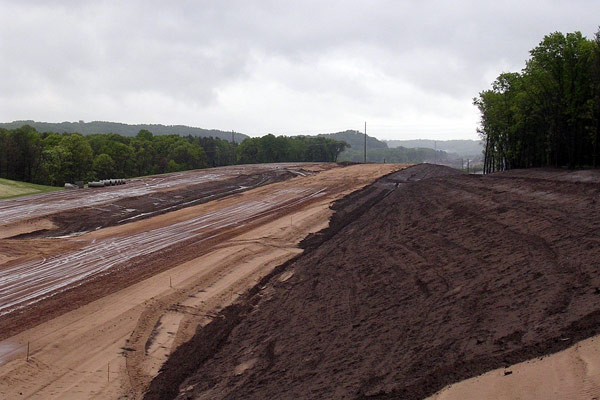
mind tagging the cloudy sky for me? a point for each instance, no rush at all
(408, 68)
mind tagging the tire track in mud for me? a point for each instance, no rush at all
(202, 312)
(553, 217)
(23, 284)
(36, 206)
(19, 303)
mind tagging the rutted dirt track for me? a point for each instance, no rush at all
(434, 282)
(35, 269)
(73, 212)
(102, 310)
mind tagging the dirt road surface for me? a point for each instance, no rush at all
(35, 269)
(49, 203)
(77, 211)
(437, 281)
(102, 311)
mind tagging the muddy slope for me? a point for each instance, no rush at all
(441, 280)
(135, 208)
(188, 357)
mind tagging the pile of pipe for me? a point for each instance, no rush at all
(107, 182)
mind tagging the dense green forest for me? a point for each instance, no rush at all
(52, 159)
(272, 148)
(549, 113)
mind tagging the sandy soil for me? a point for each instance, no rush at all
(107, 334)
(26, 227)
(572, 374)
(433, 282)
(28, 276)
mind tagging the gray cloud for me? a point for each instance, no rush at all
(408, 67)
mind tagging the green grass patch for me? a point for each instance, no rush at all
(10, 188)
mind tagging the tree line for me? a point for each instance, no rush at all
(52, 159)
(549, 113)
(272, 148)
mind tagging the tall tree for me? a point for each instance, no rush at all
(548, 114)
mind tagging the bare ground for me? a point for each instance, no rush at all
(134, 208)
(106, 336)
(62, 258)
(427, 284)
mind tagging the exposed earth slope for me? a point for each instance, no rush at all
(436, 281)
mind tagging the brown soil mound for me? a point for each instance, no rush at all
(440, 280)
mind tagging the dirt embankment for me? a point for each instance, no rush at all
(440, 280)
(186, 358)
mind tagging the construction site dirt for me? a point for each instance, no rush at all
(129, 203)
(96, 312)
(424, 279)
(72, 222)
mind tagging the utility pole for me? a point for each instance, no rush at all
(232, 148)
(365, 142)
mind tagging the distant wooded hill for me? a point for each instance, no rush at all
(380, 151)
(396, 155)
(390, 150)
(87, 128)
(356, 140)
(462, 148)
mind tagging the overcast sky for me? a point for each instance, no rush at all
(408, 68)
